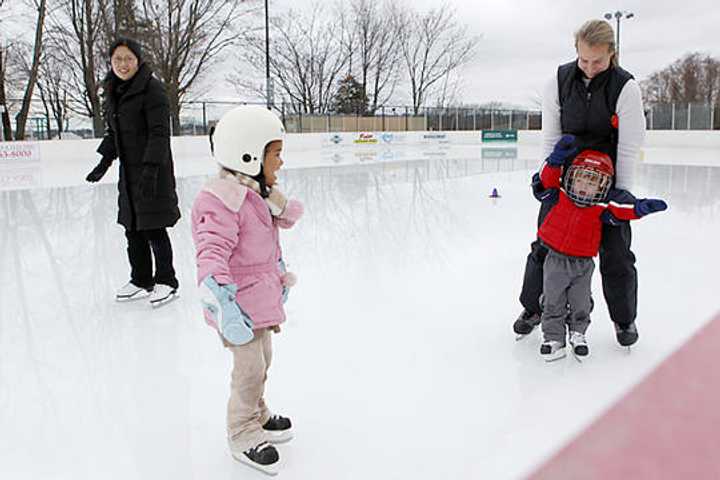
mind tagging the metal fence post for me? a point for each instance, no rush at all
(652, 117)
(712, 117)
(510, 126)
(474, 119)
(672, 118)
(457, 118)
(205, 129)
(440, 117)
(688, 116)
(492, 119)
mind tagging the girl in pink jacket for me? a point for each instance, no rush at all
(235, 221)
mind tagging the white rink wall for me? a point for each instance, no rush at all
(66, 162)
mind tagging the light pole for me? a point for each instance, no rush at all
(618, 15)
(268, 80)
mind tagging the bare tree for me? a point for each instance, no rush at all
(80, 31)
(692, 78)
(6, 125)
(41, 6)
(183, 38)
(431, 45)
(371, 36)
(53, 90)
(306, 60)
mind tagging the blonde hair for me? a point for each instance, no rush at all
(597, 32)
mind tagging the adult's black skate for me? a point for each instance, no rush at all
(525, 324)
(626, 335)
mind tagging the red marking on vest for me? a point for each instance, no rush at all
(614, 121)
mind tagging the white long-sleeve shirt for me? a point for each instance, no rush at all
(631, 128)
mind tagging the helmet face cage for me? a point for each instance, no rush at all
(586, 185)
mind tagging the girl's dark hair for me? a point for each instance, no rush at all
(131, 44)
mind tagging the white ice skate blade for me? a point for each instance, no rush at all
(580, 358)
(164, 301)
(271, 469)
(553, 357)
(279, 436)
(142, 293)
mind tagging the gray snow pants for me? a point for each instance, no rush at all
(566, 295)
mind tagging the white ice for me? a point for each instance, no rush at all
(398, 358)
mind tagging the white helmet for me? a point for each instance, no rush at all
(241, 136)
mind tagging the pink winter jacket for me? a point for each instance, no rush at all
(237, 241)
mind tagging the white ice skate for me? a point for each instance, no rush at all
(278, 429)
(552, 350)
(579, 346)
(263, 457)
(130, 292)
(163, 294)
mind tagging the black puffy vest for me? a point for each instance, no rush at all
(587, 112)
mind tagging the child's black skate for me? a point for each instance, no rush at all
(579, 346)
(278, 429)
(525, 324)
(552, 350)
(626, 335)
(263, 457)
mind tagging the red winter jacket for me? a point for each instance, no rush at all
(574, 230)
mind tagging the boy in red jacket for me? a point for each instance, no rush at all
(572, 231)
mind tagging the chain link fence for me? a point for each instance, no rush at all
(197, 117)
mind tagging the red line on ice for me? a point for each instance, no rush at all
(666, 427)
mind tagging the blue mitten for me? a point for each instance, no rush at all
(285, 289)
(541, 193)
(564, 150)
(646, 206)
(220, 304)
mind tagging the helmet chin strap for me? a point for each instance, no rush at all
(260, 178)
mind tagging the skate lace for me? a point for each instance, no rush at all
(577, 338)
(260, 447)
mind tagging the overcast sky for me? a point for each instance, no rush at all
(523, 41)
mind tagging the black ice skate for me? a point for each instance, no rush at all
(626, 335)
(552, 350)
(579, 346)
(263, 457)
(525, 324)
(278, 429)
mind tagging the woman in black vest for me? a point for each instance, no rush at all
(138, 132)
(600, 104)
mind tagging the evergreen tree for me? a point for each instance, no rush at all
(350, 97)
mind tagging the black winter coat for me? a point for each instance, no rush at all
(138, 132)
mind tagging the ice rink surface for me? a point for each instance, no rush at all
(398, 358)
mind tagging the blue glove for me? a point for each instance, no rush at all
(564, 150)
(220, 303)
(609, 219)
(285, 290)
(646, 206)
(541, 193)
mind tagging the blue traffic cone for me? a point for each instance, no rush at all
(494, 193)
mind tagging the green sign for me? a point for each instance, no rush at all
(499, 135)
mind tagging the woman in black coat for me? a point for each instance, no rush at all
(138, 133)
